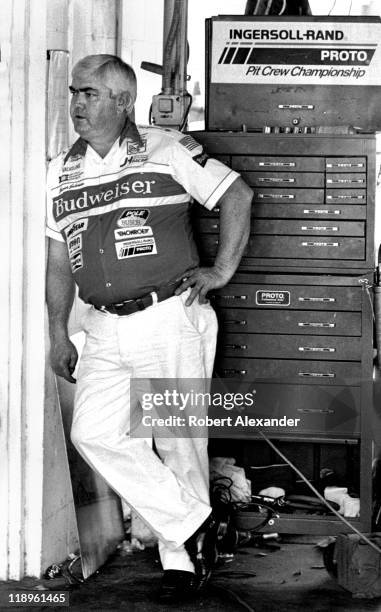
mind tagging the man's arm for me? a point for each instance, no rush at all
(60, 289)
(235, 210)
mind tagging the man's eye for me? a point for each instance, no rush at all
(91, 96)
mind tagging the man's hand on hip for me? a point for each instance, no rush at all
(201, 280)
(63, 358)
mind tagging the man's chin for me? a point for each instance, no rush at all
(81, 128)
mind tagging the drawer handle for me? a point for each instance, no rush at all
(265, 179)
(317, 374)
(345, 165)
(346, 181)
(320, 228)
(296, 106)
(313, 324)
(235, 372)
(216, 209)
(276, 196)
(276, 164)
(242, 347)
(215, 226)
(346, 197)
(315, 410)
(317, 299)
(321, 211)
(320, 244)
(316, 349)
(236, 322)
(231, 297)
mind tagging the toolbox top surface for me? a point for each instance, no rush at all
(294, 72)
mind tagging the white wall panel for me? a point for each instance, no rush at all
(22, 169)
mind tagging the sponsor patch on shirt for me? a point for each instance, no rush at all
(133, 232)
(68, 187)
(136, 147)
(70, 176)
(74, 244)
(76, 262)
(76, 227)
(130, 160)
(135, 248)
(133, 217)
(201, 159)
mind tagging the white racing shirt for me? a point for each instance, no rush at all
(125, 217)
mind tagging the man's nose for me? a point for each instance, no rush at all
(79, 99)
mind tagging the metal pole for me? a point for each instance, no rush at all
(182, 51)
(169, 46)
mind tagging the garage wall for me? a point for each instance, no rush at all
(22, 180)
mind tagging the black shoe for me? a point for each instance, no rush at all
(177, 585)
(202, 549)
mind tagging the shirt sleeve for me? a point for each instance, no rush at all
(52, 181)
(204, 178)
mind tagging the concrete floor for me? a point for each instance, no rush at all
(290, 578)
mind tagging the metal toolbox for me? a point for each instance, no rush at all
(303, 342)
(313, 200)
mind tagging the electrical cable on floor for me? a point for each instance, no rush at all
(69, 569)
(234, 595)
(342, 518)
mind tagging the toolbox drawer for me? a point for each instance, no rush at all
(290, 179)
(345, 164)
(291, 227)
(293, 247)
(299, 164)
(345, 196)
(284, 210)
(340, 181)
(290, 346)
(290, 321)
(309, 372)
(321, 410)
(290, 196)
(281, 296)
(263, 162)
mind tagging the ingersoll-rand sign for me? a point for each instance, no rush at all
(298, 71)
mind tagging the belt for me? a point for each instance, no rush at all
(128, 307)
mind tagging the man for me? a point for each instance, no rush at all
(118, 222)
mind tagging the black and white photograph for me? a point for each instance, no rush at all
(190, 322)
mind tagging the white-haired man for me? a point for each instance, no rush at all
(119, 227)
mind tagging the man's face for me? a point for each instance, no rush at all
(92, 109)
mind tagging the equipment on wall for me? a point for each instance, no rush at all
(171, 106)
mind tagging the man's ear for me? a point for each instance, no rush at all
(124, 102)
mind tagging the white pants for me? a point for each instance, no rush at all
(167, 340)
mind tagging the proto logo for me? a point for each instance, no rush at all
(272, 298)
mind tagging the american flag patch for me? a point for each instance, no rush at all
(189, 143)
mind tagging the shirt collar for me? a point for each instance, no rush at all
(129, 131)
